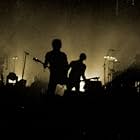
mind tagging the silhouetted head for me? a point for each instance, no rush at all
(83, 56)
(56, 44)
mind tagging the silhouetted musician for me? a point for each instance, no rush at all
(77, 71)
(58, 66)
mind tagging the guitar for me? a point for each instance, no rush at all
(64, 77)
(41, 62)
(90, 79)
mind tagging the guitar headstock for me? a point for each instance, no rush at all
(36, 59)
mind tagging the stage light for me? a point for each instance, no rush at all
(15, 58)
(11, 81)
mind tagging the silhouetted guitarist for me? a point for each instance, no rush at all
(58, 66)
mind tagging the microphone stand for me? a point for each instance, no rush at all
(25, 57)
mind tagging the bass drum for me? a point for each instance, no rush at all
(93, 88)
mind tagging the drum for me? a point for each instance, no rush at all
(93, 87)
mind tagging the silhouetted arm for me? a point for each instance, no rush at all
(70, 65)
(83, 73)
(46, 60)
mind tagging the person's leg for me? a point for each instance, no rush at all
(69, 88)
(51, 87)
(77, 87)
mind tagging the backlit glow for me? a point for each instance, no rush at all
(82, 84)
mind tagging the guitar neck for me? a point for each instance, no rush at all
(37, 60)
(41, 62)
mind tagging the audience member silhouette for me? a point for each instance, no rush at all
(77, 71)
(58, 66)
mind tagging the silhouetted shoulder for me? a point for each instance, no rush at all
(77, 64)
(72, 63)
(48, 54)
(63, 54)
